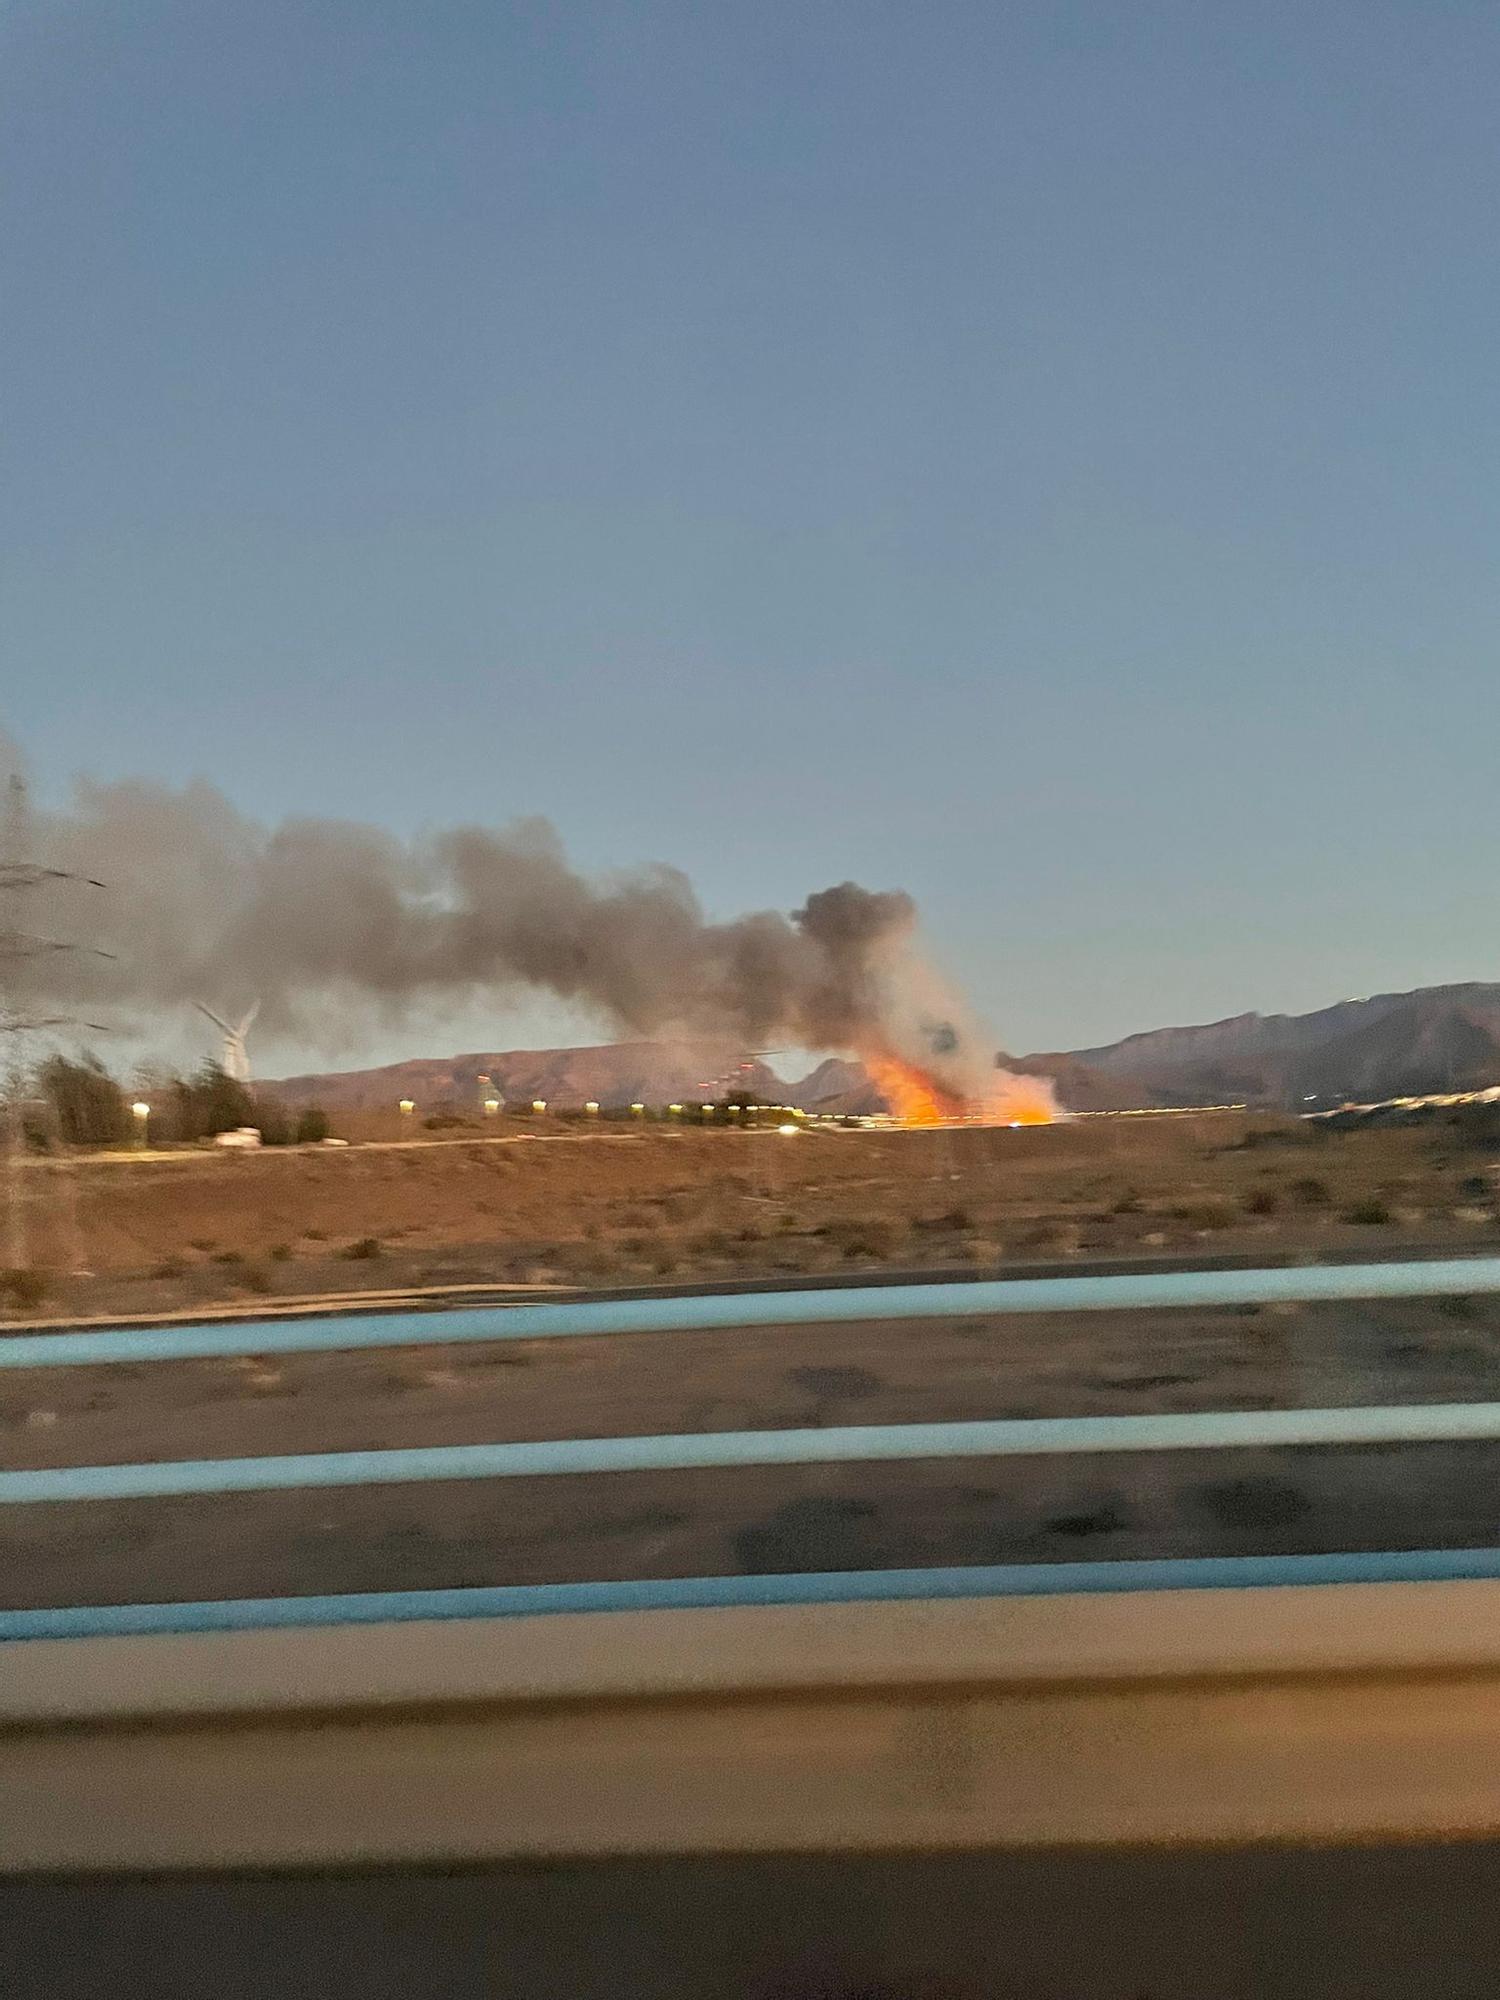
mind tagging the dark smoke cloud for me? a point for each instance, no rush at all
(333, 925)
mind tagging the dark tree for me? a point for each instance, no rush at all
(211, 1101)
(312, 1125)
(87, 1105)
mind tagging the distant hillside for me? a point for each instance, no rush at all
(654, 1073)
(1079, 1086)
(838, 1086)
(1391, 1045)
(618, 1074)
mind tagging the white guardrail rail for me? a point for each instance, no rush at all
(1327, 1697)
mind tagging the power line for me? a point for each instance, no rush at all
(20, 876)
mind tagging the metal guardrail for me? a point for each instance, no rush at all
(1360, 1712)
(1205, 1430)
(1201, 1430)
(960, 1583)
(1294, 1284)
(1319, 1697)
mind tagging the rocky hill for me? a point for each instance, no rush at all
(839, 1086)
(1389, 1045)
(617, 1074)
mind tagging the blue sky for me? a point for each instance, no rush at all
(1043, 457)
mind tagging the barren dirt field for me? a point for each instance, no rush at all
(612, 1207)
(194, 1231)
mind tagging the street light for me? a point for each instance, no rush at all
(407, 1106)
(592, 1108)
(491, 1106)
(539, 1105)
(141, 1114)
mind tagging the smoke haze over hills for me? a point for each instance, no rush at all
(343, 931)
(338, 928)
(1434, 1039)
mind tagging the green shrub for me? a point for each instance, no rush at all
(714, 1243)
(1205, 1214)
(1261, 1201)
(25, 1290)
(1372, 1211)
(272, 1123)
(208, 1102)
(861, 1237)
(365, 1248)
(1310, 1192)
(952, 1218)
(312, 1125)
(281, 1253)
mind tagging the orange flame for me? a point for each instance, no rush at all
(1020, 1100)
(916, 1098)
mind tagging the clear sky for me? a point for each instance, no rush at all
(1042, 456)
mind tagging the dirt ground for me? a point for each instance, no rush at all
(171, 1232)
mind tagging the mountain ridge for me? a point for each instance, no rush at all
(1384, 1045)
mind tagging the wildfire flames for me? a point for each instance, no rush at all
(914, 1098)
(918, 1099)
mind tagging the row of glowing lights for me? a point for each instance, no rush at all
(493, 1105)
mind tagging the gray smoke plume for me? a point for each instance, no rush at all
(334, 924)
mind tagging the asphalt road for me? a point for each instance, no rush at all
(1383, 1923)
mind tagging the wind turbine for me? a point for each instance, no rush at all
(235, 1060)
